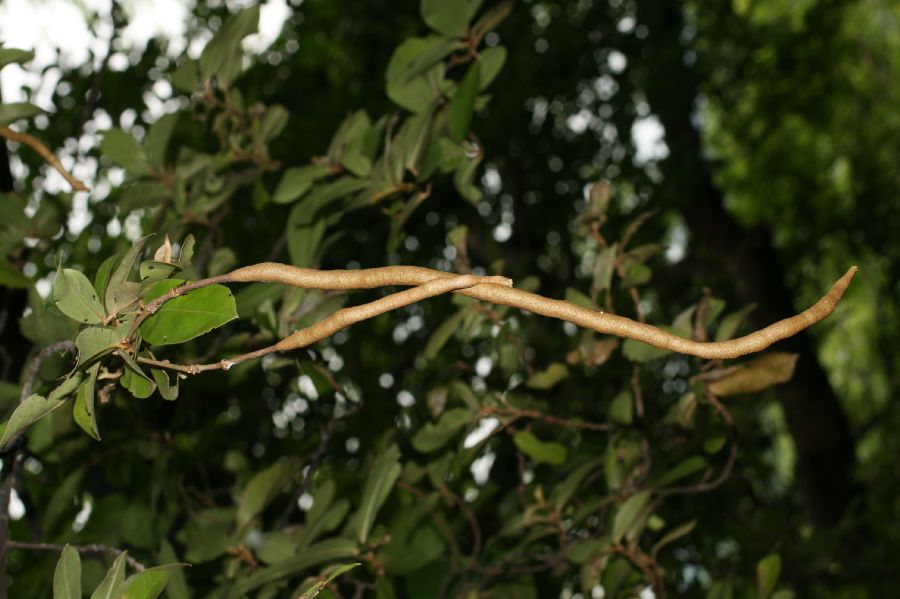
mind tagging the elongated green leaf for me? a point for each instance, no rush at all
(297, 181)
(124, 150)
(14, 56)
(319, 586)
(83, 411)
(36, 407)
(158, 139)
(684, 468)
(320, 553)
(120, 292)
(190, 315)
(150, 583)
(731, 322)
(76, 297)
(67, 578)
(621, 410)
(383, 474)
(443, 334)
(113, 584)
(630, 518)
(767, 572)
(101, 279)
(303, 238)
(675, 534)
(564, 491)
(262, 489)
(547, 452)
(432, 437)
(492, 61)
(449, 17)
(221, 58)
(18, 110)
(463, 104)
(549, 377)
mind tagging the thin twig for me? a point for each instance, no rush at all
(35, 367)
(48, 156)
(516, 413)
(92, 548)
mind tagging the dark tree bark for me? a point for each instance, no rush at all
(817, 422)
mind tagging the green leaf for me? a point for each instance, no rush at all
(94, 342)
(67, 577)
(443, 334)
(318, 586)
(449, 17)
(124, 150)
(550, 377)
(675, 534)
(190, 315)
(221, 58)
(168, 390)
(297, 181)
(101, 279)
(36, 407)
(262, 489)
(432, 437)
(273, 122)
(491, 61)
(564, 491)
(730, 323)
(546, 452)
(767, 572)
(134, 378)
(465, 175)
(76, 297)
(150, 583)
(767, 370)
(684, 468)
(186, 76)
(463, 105)
(381, 478)
(14, 56)
(303, 239)
(158, 139)
(113, 584)
(631, 516)
(320, 553)
(11, 277)
(83, 411)
(120, 292)
(621, 410)
(18, 110)
(414, 93)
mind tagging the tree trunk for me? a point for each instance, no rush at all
(821, 433)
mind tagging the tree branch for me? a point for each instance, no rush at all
(48, 156)
(92, 548)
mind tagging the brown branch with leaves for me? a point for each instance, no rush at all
(428, 283)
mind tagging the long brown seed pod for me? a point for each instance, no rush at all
(426, 283)
(602, 322)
